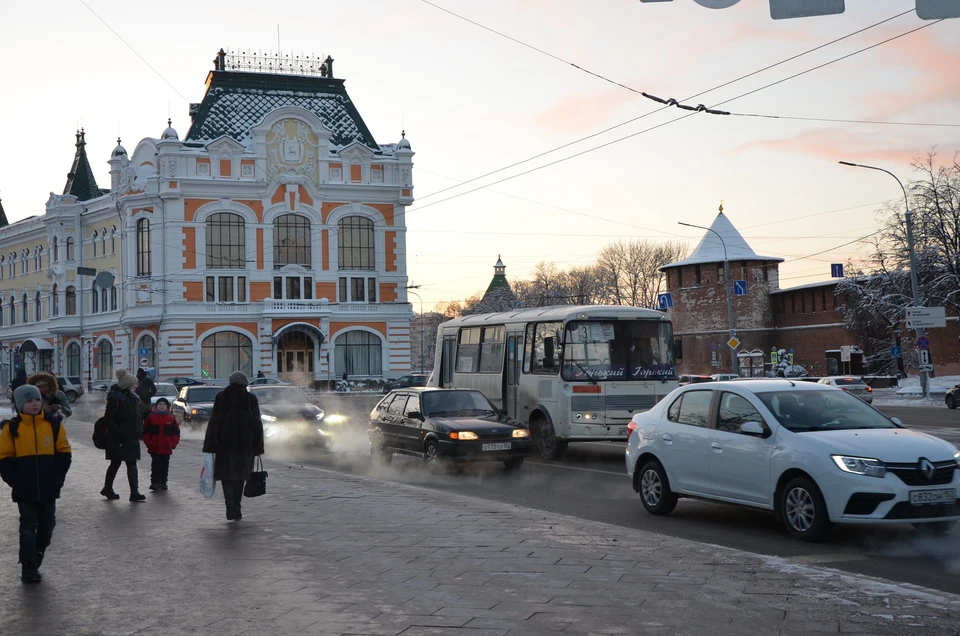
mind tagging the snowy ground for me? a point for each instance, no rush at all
(909, 392)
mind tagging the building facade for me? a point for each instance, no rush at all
(270, 238)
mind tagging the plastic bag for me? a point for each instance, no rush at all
(208, 487)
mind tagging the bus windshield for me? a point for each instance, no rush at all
(618, 350)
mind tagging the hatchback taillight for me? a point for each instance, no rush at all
(631, 427)
(869, 389)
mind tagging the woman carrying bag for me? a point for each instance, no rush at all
(124, 429)
(235, 436)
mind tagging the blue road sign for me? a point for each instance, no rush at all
(896, 352)
(836, 270)
(713, 346)
(144, 352)
(665, 300)
(791, 350)
(923, 343)
(739, 288)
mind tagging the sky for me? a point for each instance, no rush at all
(473, 101)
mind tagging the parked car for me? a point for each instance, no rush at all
(854, 386)
(441, 425)
(952, 399)
(268, 382)
(723, 377)
(181, 382)
(71, 386)
(694, 379)
(194, 405)
(811, 453)
(289, 415)
(405, 381)
(165, 390)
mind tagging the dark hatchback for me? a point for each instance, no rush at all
(441, 425)
(288, 415)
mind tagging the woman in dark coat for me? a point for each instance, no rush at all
(235, 436)
(124, 429)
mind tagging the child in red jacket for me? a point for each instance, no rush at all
(161, 434)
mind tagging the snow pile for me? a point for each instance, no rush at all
(938, 386)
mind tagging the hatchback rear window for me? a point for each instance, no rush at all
(849, 381)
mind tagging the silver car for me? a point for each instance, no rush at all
(850, 384)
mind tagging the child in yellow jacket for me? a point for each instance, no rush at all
(34, 459)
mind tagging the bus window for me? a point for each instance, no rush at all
(491, 350)
(468, 350)
(541, 363)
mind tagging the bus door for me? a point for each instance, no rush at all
(511, 379)
(446, 362)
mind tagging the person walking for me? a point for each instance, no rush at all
(19, 380)
(161, 434)
(235, 436)
(260, 374)
(34, 459)
(146, 389)
(54, 400)
(124, 429)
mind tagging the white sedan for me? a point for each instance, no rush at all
(165, 390)
(811, 453)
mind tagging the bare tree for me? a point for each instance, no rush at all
(629, 273)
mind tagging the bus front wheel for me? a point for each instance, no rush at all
(548, 445)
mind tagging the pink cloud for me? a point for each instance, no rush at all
(846, 145)
(581, 112)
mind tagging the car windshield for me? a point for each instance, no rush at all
(280, 395)
(616, 350)
(203, 393)
(456, 403)
(804, 411)
(166, 389)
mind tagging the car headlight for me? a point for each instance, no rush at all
(268, 418)
(956, 458)
(319, 416)
(335, 419)
(521, 432)
(320, 430)
(464, 435)
(199, 412)
(860, 465)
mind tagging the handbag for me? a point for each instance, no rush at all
(257, 482)
(207, 485)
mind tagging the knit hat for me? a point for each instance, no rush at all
(25, 393)
(238, 377)
(164, 400)
(124, 379)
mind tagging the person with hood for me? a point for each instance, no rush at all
(54, 400)
(19, 380)
(235, 436)
(34, 459)
(161, 434)
(146, 389)
(124, 429)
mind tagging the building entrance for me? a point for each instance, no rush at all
(296, 357)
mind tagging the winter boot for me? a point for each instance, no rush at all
(163, 486)
(154, 486)
(109, 494)
(231, 515)
(29, 573)
(39, 558)
(136, 497)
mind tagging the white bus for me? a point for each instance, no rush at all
(569, 373)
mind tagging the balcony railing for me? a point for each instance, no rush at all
(357, 307)
(228, 308)
(296, 306)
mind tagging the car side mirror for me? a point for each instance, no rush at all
(415, 415)
(754, 429)
(896, 420)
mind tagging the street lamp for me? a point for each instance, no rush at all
(735, 363)
(411, 287)
(913, 258)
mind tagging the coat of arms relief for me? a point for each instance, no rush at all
(291, 147)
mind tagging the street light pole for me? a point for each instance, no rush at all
(411, 287)
(734, 361)
(914, 282)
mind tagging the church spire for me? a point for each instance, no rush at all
(80, 180)
(3, 216)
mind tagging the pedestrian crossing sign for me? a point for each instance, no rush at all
(733, 343)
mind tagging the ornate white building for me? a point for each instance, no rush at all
(270, 238)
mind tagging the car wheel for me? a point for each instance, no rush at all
(655, 493)
(548, 445)
(803, 510)
(379, 450)
(513, 464)
(936, 529)
(72, 396)
(431, 457)
(951, 401)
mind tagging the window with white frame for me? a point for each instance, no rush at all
(103, 241)
(143, 247)
(226, 289)
(38, 311)
(26, 310)
(148, 342)
(71, 301)
(70, 247)
(3, 261)
(93, 241)
(94, 299)
(226, 243)
(73, 359)
(56, 250)
(113, 239)
(357, 289)
(13, 311)
(113, 298)
(355, 245)
(291, 240)
(54, 301)
(292, 287)
(25, 257)
(104, 359)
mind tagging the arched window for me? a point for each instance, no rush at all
(1, 314)
(25, 257)
(37, 263)
(69, 248)
(147, 342)
(113, 239)
(291, 240)
(223, 353)
(95, 300)
(143, 247)
(26, 311)
(54, 301)
(103, 241)
(113, 298)
(71, 301)
(103, 298)
(104, 360)
(73, 359)
(38, 312)
(356, 247)
(13, 264)
(93, 240)
(13, 311)
(3, 261)
(358, 353)
(226, 243)
(56, 250)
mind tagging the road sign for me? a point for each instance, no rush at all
(926, 367)
(938, 9)
(836, 270)
(845, 353)
(925, 360)
(713, 346)
(144, 363)
(739, 288)
(896, 352)
(923, 342)
(926, 317)
(144, 352)
(733, 343)
(665, 300)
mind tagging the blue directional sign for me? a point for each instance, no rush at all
(144, 352)
(836, 270)
(665, 300)
(896, 352)
(923, 343)
(713, 346)
(739, 288)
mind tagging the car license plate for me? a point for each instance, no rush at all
(924, 497)
(622, 430)
(493, 447)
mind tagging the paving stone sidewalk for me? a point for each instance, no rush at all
(326, 553)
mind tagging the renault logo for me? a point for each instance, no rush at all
(927, 469)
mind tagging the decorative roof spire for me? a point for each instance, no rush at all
(80, 180)
(3, 216)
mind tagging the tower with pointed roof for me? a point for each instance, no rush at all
(80, 180)
(3, 216)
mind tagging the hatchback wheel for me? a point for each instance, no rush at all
(379, 451)
(951, 401)
(655, 493)
(803, 510)
(431, 457)
(72, 396)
